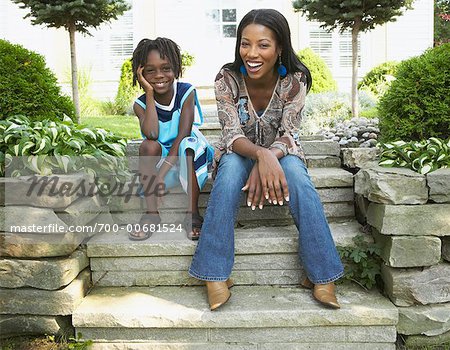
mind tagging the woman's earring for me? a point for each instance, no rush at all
(243, 70)
(282, 71)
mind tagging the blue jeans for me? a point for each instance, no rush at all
(214, 257)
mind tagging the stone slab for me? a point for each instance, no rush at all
(331, 177)
(336, 334)
(44, 302)
(323, 162)
(324, 147)
(20, 325)
(235, 346)
(391, 185)
(406, 287)
(82, 211)
(182, 278)
(427, 320)
(333, 334)
(49, 274)
(439, 183)
(409, 220)
(180, 263)
(425, 341)
(328, 346)
(173, 346)
(56, 191)
(29, 220)
(260, 240)
(359, 157)
(446, 248)
(33, 245)
(270, 215)
(409, 251)
(249, 307)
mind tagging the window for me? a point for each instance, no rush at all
(334, 48)
(223, 21)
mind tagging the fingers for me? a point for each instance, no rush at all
(284, 188)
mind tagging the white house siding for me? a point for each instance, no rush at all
(186, 22)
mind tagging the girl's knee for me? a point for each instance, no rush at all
(149, 148)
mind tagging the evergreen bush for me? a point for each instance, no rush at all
(126, 93)
(379, 78)
(417, 105)
(322, 80)
(27, 86)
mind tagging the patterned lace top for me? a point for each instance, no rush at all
(277, 126)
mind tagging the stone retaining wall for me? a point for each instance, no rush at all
(44, 272)
(409, 215)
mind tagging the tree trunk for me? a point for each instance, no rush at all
(355, 31)
(73, 63)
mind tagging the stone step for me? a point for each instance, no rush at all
(243, 346)
(255, 317)
(334, 186)
(264, 255)
(311, 147)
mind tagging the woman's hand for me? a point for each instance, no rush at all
(254, 188)
(273, 180)
(145, 85)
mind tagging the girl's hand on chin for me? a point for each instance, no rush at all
(145, 85)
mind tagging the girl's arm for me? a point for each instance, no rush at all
(184, 130)
(148, 118)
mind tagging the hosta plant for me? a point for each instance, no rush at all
(47, 147)
(423, 157)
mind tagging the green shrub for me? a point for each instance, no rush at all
(48, 147)
(417, 105)
(362, 261)
(127, 93)
(379, 78)
(423, 157)
(322, 80)
(28, 87)
(187, 60)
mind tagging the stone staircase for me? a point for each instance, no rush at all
(143, 297)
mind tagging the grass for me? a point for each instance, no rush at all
(121, 125)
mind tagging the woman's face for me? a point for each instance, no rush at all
(259, 50)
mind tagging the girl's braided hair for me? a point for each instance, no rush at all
(166, 48)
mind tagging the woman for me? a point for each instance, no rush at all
(259, 99)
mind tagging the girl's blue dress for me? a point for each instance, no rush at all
(169, 120)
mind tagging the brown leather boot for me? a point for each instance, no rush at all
(218, 294)
(324, 293)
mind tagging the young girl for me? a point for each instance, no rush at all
(169, 113)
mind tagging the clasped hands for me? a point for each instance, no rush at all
(266, 182)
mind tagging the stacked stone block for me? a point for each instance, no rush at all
(409, 214)
(44, 269)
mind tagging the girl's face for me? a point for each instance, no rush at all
(259, 50)
(159, 73)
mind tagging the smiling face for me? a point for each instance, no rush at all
(259, 51)
(160, 75)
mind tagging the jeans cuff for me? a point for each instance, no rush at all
(328, 280)
(206, 278)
